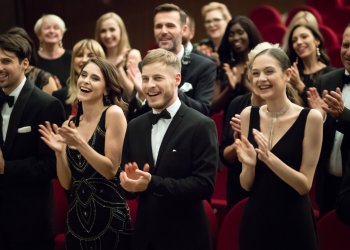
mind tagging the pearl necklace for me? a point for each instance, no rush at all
(275, 116)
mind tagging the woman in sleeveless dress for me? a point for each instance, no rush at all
(279, 149)
(88, 151)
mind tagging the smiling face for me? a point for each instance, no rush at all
(159, 84)
(215, 24)
(304, 42)
(91, 84)
(50, 32)
(168, 30)
(345, 49)
(81, 58)
(238, 39)
(110, 33)
(267, 77)
(11, 70)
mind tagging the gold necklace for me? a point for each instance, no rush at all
(275, 116)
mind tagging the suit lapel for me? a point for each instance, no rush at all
(17, 114)
(175, 123)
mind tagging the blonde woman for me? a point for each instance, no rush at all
(52, 56)
(216, 16)
(111, 33)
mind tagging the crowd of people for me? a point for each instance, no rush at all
(112, 125)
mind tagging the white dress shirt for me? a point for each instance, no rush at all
(335, 161)
(7, 110)
(159, 129)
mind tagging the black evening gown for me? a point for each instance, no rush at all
(98, 216)
(276, 216)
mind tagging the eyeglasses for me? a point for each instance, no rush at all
(212, 21)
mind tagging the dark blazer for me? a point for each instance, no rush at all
(331, 81)
(25, 186)
(197, 70)
(343, 200)
(170, 213)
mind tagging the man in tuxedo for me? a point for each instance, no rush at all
(170, 156)
(27, 165)
(198, 72)
(343, 199)
(335, 89)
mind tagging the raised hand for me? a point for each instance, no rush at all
(245, 151)
(335, 103)
(49, 134)
(236, 126)
(70, 135)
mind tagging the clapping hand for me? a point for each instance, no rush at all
(334, 101)
(49, 134)
(263, 150)
(245, 151)
(236, 126)
(133, 179)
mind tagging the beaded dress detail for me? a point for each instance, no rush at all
(98, 216)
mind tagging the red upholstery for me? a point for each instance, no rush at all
(274, 33)
(334, 56)
(265, 15)
(213, 221)
(304, 7)
(229, 232)
(325, 6)
(133, 209)
(333, 234)
(60, 202)
(330, 37)
(218, 119)
(337, 20)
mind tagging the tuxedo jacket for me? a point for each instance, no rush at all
(170, 214)
(196, 71)
(330, 82)
(343, 199)
(25, 186)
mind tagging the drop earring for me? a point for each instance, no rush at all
(318, 53)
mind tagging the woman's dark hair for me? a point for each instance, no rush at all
(226, 53)
(317, 35)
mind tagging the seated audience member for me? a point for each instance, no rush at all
(52, 56)
(41, 78)
(197, 72)
(343, 200)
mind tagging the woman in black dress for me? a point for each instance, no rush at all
(279, 149)
(88, 152)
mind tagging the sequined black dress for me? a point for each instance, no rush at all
(98, 216)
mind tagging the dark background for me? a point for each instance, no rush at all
(80, 15)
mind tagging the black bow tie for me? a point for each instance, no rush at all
(6, 98)
(162, 115)
(346, 79)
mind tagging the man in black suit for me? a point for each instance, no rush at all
(198, 72)
(335, 89)
(170, 156)
(343, 199)
(27, 165)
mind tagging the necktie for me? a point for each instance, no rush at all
(162, 115)
(6, 98)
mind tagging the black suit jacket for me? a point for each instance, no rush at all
(343, 200)
(197, 70)
(170, 213)
(25, 186)
(330, 82)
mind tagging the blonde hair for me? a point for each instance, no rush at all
(162, 56)
(124, 38)
(94, 47)
(39, 24)
(217, 6)
(302, 17)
